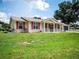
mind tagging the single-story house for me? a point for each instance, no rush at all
(36, 24)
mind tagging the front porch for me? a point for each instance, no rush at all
(49, 27)
(53, 27)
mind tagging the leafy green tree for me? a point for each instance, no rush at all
(74, 26)
(4, 27)
(66, 13)
(75, 8)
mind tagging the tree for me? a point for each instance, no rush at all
(66, 13)
(75, 8)
(74, 26)
(4, 27)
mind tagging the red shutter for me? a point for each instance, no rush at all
(32, 25)
(38, 25)
(16, 24)
(24, 25)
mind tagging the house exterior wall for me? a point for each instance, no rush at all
(42, 28)
(17, 30)
(23, 29)
(28, 27)
(34, 30)
(13, 26)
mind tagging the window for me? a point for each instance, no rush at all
(35, 25)
(20, 25)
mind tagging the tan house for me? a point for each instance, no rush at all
(36, 24)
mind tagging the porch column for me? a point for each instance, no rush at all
(53, 27)
(44, 26)
(60, 28)
(47, 27)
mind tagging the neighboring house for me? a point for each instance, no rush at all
(36, 24)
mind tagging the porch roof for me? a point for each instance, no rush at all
(54, 21)
(51, 20)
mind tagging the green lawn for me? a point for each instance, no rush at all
(39, 46)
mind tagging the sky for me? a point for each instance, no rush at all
(29, 8)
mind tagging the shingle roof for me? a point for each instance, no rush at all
(31, 19)
(16, 18)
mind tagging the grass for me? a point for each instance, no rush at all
(39, 46)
